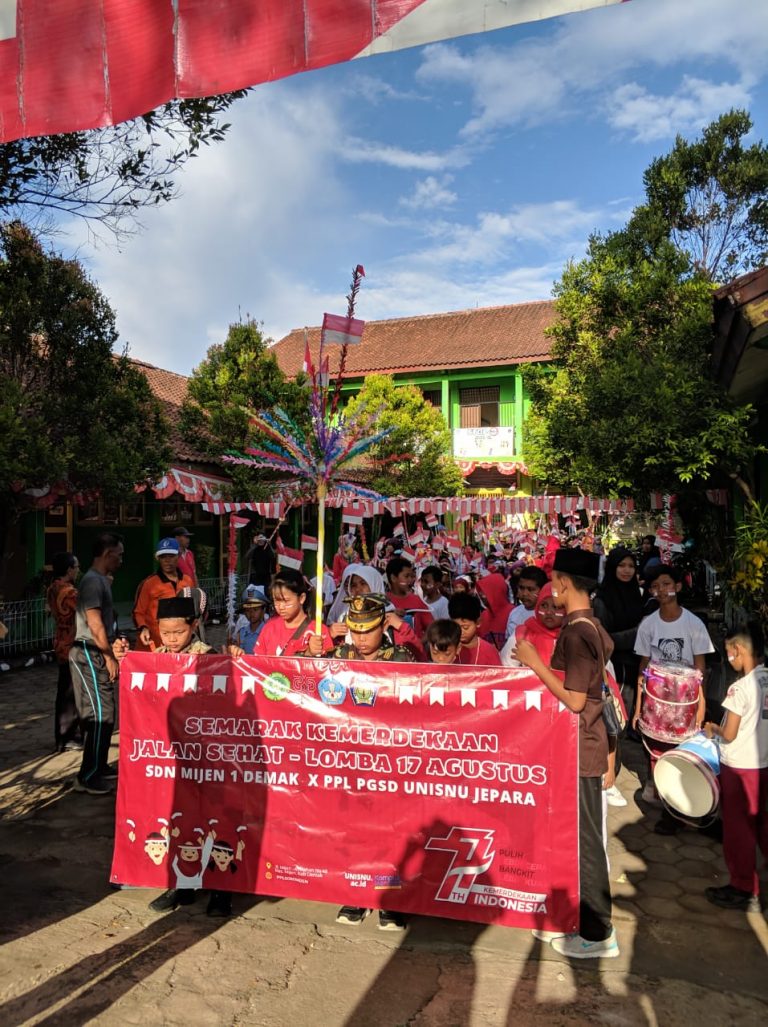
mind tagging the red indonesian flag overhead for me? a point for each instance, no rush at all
(344, 331)
(79, 64)
(286, 557)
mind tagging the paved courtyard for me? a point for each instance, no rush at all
(73, 951)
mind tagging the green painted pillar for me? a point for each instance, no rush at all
(518, 414)
(445, 400)
(35, 543)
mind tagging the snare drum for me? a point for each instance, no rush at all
(670, 701)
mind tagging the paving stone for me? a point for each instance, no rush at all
(692, 868)
(705, 912)
(696, 885)
(666, 872)
(654, 853)
(659, 889)
(698, 838)
(696, 852)
(664, 909)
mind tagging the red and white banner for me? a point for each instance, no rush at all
(443, 791)
(79, 64)
(193, 485)
(463, 508)
(341, 331)
(309, 542)
(352, 515)
(293, 558)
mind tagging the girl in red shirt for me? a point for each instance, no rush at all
(291, 632)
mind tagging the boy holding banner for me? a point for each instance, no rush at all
(365, 622)
(581, 651)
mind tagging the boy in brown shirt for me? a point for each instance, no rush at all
(581, 652)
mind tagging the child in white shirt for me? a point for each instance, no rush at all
(743, 770)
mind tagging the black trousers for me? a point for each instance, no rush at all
(95, 699)
(66, 723)
(595, 903)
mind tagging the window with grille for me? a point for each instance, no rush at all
(479, 407)
(485, 394)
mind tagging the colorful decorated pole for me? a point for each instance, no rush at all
(321, 493)
(314, 453)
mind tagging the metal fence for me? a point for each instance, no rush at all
(30, 627)
(216, 591)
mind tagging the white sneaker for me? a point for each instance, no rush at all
(576, 947)
(614, 796)
(548, 935)
(649, 794)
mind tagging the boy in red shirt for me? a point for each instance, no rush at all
(466, 610)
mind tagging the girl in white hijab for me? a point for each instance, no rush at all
(361, 579)
(368, 580)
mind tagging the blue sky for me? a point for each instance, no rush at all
(461, 174)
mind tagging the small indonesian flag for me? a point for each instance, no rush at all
(431, 520)
(324, 375)
(308, 542)
(307, 367)
(453, 546)
(352, 515)
(398, 529)
(239, 522)
(346, 331)
(408, 554)
(438, 542)
(289, 557)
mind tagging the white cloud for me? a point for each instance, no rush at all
(561, 226)
(258, 220)
(376, 90)
(402, 290)
(430, 193)
(362, 151)
(648, 117)
(550, 77)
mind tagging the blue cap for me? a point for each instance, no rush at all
(255, 595)
(167, 547)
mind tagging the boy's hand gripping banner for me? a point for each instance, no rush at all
(447, 791)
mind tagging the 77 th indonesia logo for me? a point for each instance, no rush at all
(472, 852)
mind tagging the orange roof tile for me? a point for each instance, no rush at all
(483, 337)
(171, 389)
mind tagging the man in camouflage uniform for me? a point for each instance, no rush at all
(365, 623)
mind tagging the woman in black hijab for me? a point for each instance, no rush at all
(618, 606)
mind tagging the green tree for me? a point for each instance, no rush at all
(238, 377)
(630, 405)
(415, 458)
(108, 175)
(709, 197)
(71, 410)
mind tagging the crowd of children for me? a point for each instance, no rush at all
(491, 609)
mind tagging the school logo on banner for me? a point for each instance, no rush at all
(363, 695)
(276, 686)
(331, 691)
